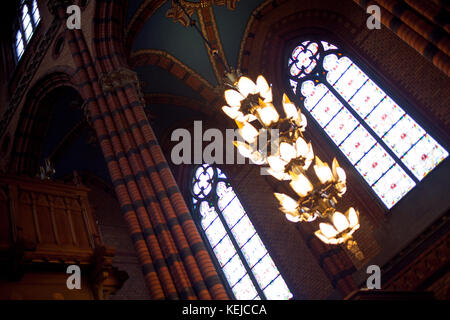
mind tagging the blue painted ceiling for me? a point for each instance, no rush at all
(185, 44)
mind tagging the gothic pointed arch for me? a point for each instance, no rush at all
(34, 117)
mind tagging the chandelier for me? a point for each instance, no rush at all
(318, 188)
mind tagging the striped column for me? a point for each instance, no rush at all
(425, 47)
(418, 23)
(175, 262)
(432, 11)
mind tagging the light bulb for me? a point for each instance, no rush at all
(292, 218)
(322, 237)
(309, 157)
(262, 85)
(289, 108)
(247, 131)
(301, 147)
(246, 86)
(279, 175)
(257, 158)
(328, 230)
(301, 185)
(267, 113)
(287, 151)
(288, 204)
(233, 113)
(276, 164)
(341, 174)
(338, 173)
(244, 149)
(233, 98)
(323, 171)
(352, 217)
(340, 221)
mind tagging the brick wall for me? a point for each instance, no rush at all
(114, 232)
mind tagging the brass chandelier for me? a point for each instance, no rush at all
(250, 104)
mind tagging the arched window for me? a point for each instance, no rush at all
(387, 147)
(28, 20)
(239, 252)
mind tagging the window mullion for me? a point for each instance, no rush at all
(372, 133)
(239, 252)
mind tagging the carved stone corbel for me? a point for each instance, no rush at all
(118, 79)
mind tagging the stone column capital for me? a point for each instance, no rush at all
(118, 79)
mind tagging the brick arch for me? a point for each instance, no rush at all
(175, 67)
(268, 34)
(29, 135)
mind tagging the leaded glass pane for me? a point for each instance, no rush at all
(327, 46)
(265, 271)
(293, 85)
(393, 186)
(19, 45)
(220, 174)
(244, 289)
(277, 290)
(233, 212)
(366, 98)
(304, 59)
(253, 250)
(215, 232)
(403, 135)
(357, 144)
(226, 194)
(350, 82)
(326, 109)
(234, 270)
(36, 15)
(312, 93)
(335, 67)
(208, 214)
(385, 115)
(341, 126)
(224, 250)
(243, 230)
(28, 31)
(376, 162)
(202, 182)
(424, 156)
(26, 22)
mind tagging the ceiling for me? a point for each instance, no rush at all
(185, 43)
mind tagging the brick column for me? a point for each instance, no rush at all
(175, 262)
(417, 32)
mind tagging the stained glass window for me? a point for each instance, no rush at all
(241, 256)
(387, 147)
(29, 18)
